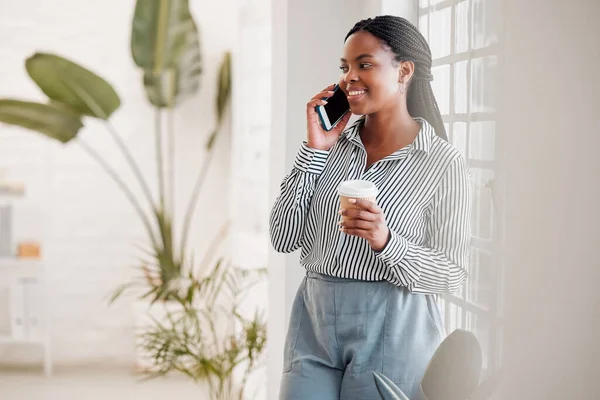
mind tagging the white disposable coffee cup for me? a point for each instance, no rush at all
(356, 189)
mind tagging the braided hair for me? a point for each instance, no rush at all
(408, 44)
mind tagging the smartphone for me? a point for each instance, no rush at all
(332, 112)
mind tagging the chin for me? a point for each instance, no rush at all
(358, 109)
(362, 110)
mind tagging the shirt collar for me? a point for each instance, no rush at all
(351, 132)
(421, 143)
(425, 136)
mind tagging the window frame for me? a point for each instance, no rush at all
(492, 316)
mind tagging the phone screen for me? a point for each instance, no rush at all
(336, 106)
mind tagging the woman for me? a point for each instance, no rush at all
(368, 302)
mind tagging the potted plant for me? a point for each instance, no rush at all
(208, 338)
(165, 45)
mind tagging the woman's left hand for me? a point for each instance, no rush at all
(367, 222)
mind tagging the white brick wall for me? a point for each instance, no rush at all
(86, 226)
(250, 203)
(250, 156)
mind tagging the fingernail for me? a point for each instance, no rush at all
(340, 223)
(352, 201)
(340, 212)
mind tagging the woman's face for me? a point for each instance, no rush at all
(370, 77)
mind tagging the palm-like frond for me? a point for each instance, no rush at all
(193, 341)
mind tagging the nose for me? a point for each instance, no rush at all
(350, 76)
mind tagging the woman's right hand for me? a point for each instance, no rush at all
(319, 138)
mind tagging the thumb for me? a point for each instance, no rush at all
(342, 124)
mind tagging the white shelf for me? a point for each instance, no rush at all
(11, 191)
(15, 262)
(29, 314)
(11, 268)
(26, 281)
(7, 339)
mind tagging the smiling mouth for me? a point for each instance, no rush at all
(355, 94)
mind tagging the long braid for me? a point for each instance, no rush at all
(408, 44)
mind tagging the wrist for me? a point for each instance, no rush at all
(310, 160)
(378, 247)
(315, 147)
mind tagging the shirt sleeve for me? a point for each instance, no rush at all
(288, 215)
(440, 266)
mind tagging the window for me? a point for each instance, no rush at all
(463, 37)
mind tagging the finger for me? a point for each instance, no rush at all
(315, 102)
(358, 224)
(326, 92)
(323, 94)
(311, 114)
(342, 124)
(311, 111)
(364, 215)
(363, 233)
(367, 205)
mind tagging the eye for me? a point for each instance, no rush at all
(344, 68)
(365, 65)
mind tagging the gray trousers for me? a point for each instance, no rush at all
(342, 329)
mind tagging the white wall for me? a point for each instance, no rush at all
(251, 134)
(549, 142)
(86, 226)
(249, 183)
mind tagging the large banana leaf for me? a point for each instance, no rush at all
(160, 87)
(51, 120)
(190, 65)
(66, 82)
(165, 44)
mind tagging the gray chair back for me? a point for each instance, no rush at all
(453, 372)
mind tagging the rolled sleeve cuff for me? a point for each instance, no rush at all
(394, 251)
(310, 160)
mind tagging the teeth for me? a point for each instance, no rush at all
(356, 93)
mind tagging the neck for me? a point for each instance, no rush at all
(389, 130)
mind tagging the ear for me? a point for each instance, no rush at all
(406, 71)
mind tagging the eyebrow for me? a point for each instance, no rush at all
(358, 58)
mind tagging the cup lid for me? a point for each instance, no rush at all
(358, 188)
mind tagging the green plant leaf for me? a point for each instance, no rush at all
(68, 83)
(159, 33)
(55, 122)
(222, 98)
(120, 290)
(224, 86)
(211, 140)
(165, 44)
(187, 340)
(187, 76)
(160, 87)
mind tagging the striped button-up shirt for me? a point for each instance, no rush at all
(424, 192)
